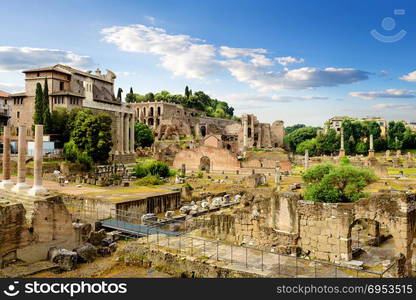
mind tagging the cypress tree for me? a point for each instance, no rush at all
(38, 116)
(46, 114)
(187, 92)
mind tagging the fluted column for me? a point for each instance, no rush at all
(21, 161)
(120, 133)
(38, 188)
(371, 151)
(126, 134)
(6, 182)
(245, 132)
(342, 150)
(132, 148)
(306, 159)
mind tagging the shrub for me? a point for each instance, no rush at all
(149, 180)
(200, 174)
(330, 183)
(155, 168)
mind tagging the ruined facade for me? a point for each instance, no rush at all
(71, 88)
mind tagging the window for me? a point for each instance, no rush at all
(18, 114)
(38, 74)
(61, 85)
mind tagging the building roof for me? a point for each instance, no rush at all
(66, 93)
(69, 70)
(22, 94)
(4, 94)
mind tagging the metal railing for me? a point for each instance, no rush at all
(257, 260)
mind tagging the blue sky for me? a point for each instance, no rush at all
(299, 61)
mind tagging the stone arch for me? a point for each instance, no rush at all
(144, 111)
(249, 132)
(205, 164)
(229, 147)
(150, 122)
(159, 110)
(151, 111)
(203, 130)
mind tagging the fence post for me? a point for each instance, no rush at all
(180, 238)
(279, 262)
(336, 273)
(231, 253)
(262, 268)
(217, 250)
(204, 247)
(315, 268)
(246, 259)
(157, 236)
(168, 239)
(147, 236)
(296, 259)
(192, 246)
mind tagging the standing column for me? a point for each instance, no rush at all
(245, 132)
(259, 142)
(121, 134)
(119, 147)
(21, 161)
(126, 134)
(6, 183)
(342, 150)
(371, 151)
(306, 159)
(132, 147)
(277, 174)
(38, 188)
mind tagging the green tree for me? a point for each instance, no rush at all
(290, 129)
(46, 114)
(38, 115)
(143, 135)
(130, 98)
(119, 94)
(310, 145)
(327, 143)
(60, 123)
(187, 93)
(330, 183)
(91, 133)
(293, 139)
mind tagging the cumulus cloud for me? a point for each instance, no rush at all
(180, 54)
(399, 106)
(289, 60)
(189, 57)
(11, 87)
(411, 77)
(295, 79)
(389, 93)
(22, 58)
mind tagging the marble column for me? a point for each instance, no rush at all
(277, 174)
(245, 132)
(126, 134)
(260, 133)
(132, 147)
(21, 161)
(371, 151)
(119, 146)
(121, 134)
(38, 188)
(6, 183)
(342, 149)
(306, 159)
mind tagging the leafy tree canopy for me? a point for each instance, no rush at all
(143, 135)
(343, 183)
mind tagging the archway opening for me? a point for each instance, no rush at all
(205, 164)
(203, 130)
(150, 122)
(249, 132)
(151, 111)
(372, 243)
(229, 147)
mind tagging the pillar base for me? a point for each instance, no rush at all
(6, 184)
(371, 154)
(20, 187)
(37, 190)
(341, 153)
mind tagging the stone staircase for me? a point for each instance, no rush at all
(125, 158)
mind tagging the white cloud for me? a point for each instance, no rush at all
(394, 106)
(411, 77)
(302, 78)
(150, 19)
(193, 58)
(289, 60)
(11, 87)
(389, 93)
(22, 58)
(180, 54)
